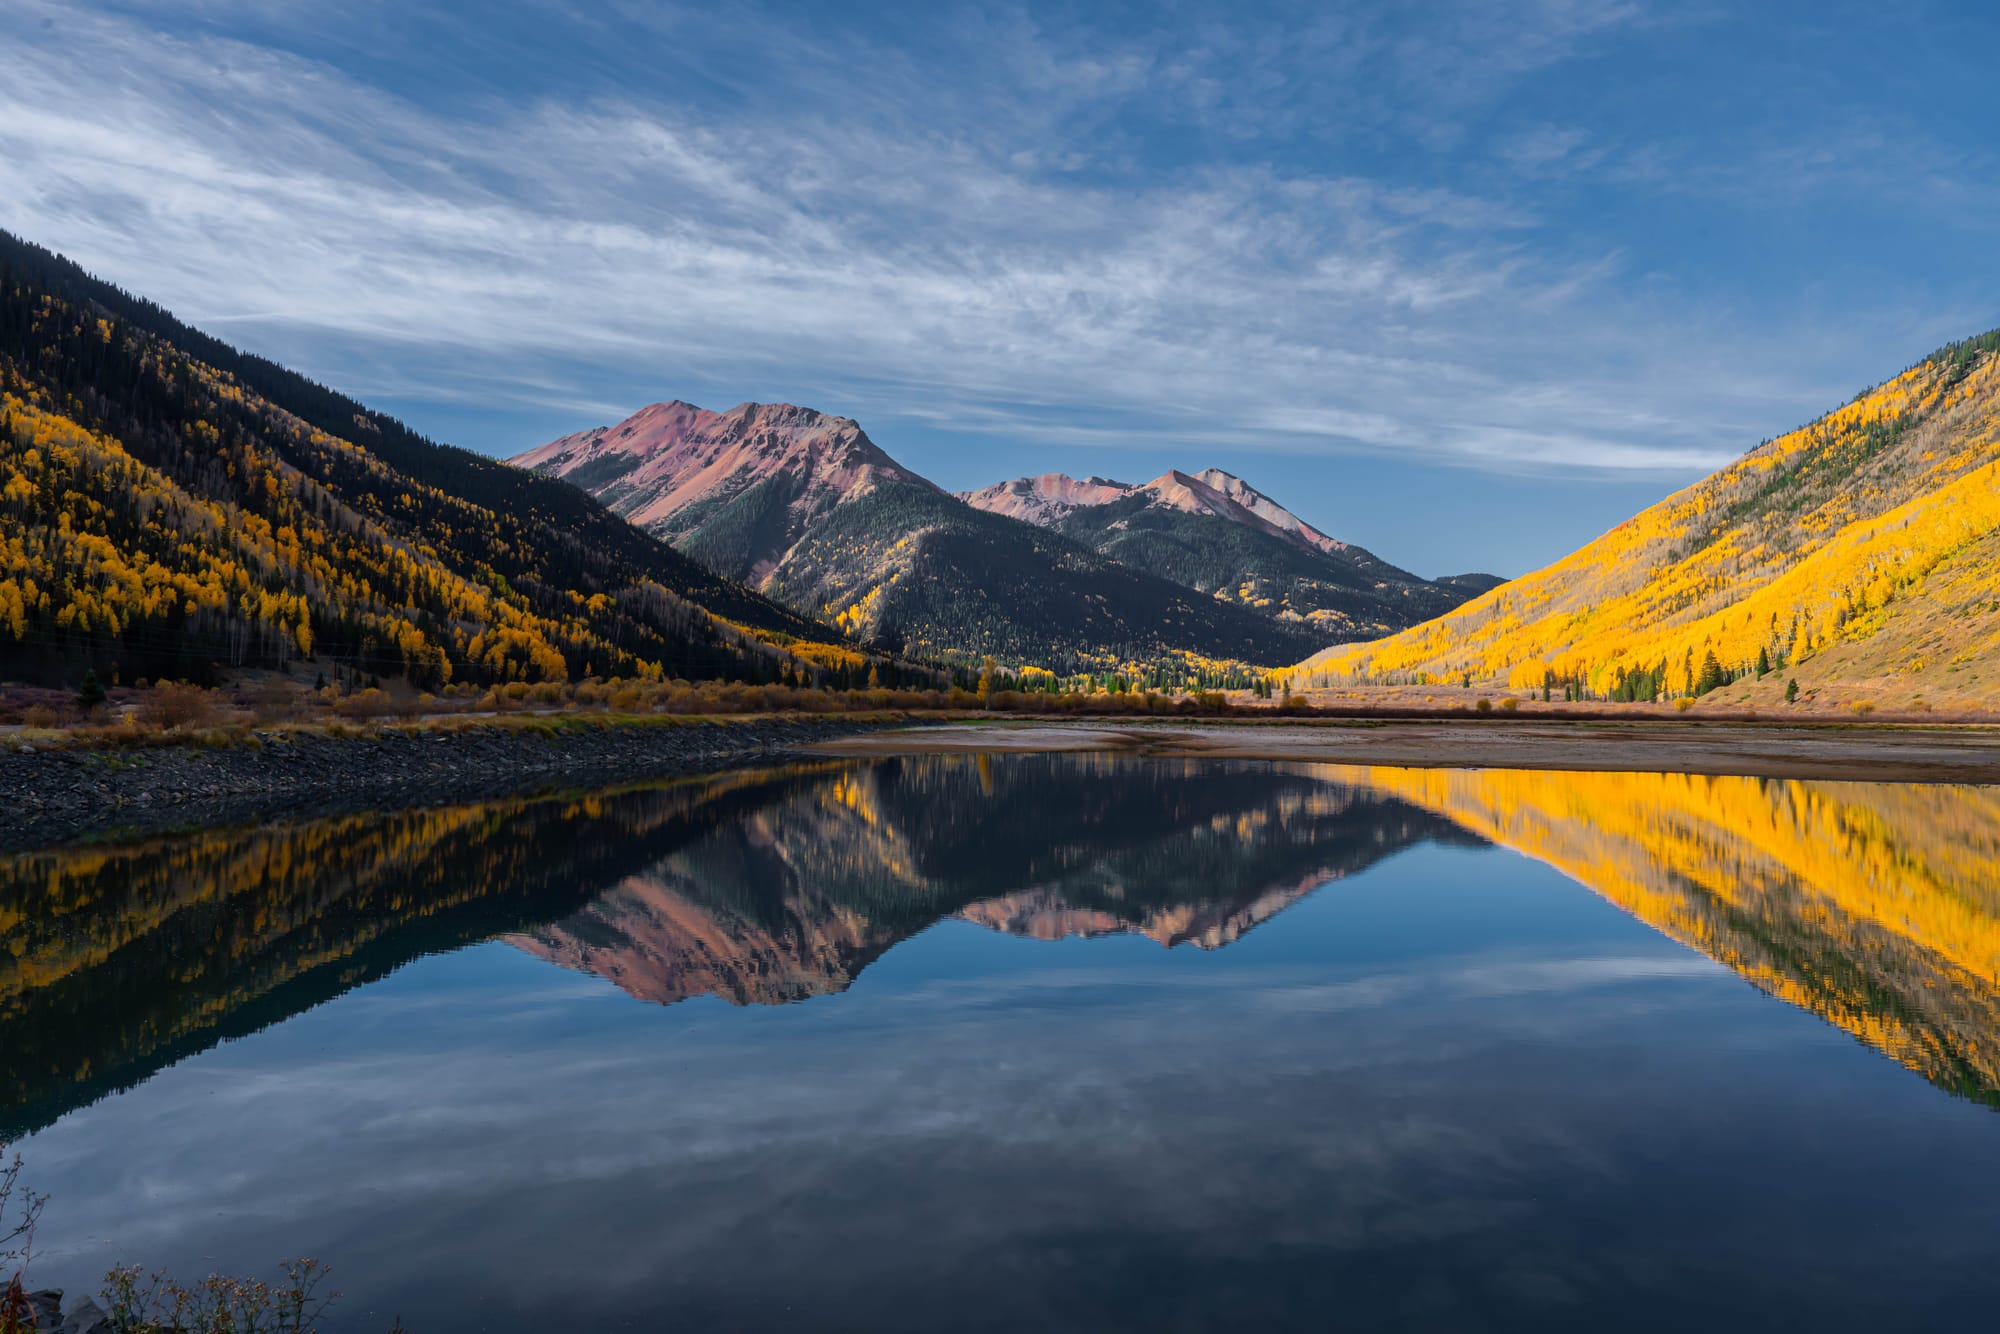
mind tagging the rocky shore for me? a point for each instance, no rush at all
(86, 1317)
(61, 795)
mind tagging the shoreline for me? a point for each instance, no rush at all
(59, 796)
(65, 794)
(1867, 752)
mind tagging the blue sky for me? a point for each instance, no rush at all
(1464, 282)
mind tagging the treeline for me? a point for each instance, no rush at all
(1624, 683)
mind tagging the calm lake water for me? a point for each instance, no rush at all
(1039, 1042)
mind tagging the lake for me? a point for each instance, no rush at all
(1085, 1041)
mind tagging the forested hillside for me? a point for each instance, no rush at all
(1860, 554)
(170, 507)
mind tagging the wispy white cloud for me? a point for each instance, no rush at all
(881, 237)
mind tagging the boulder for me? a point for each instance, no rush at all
(87, 1318)
(45, 1309)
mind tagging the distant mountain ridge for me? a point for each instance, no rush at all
(1215, 533)
(1049, 499)
(803, 506)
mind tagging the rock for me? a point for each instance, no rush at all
(45, 1309)
(87, 1318)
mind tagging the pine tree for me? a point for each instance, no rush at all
(90, 694)
(1712, 676)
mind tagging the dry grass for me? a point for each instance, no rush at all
(182, 715)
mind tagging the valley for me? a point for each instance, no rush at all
(179, 510)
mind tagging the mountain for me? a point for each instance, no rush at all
(1046, 500)
(806, 508)
(1472, 585)
(1858, 555)
(1217, 534)
(174, 507)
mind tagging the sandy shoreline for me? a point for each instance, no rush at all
(1882, 753)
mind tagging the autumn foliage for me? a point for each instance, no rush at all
(172, 508)
(1878, 523)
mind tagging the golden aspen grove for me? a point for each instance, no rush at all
(1859, 554)
(172, 508)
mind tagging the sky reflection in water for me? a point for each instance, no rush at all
(894, 1044)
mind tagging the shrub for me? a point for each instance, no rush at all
(1509, 705)
(20, 1209)
(369, 703)
(1484, 706)
(40, 715)
(274, 699)
(218, 1304)
(172, 705)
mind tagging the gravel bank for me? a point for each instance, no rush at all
(1876, 753)
(57, 796)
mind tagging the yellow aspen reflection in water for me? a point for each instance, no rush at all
(1873, 905)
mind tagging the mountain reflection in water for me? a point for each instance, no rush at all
(1876, 907)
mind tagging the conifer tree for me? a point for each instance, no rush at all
(90, 694)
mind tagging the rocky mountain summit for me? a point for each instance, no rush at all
(1213, 532)
(1061, 571)
(803, 506)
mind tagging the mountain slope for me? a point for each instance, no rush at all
(1860, 552)
(1215, 533)
(805, 507)
(174, 507)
